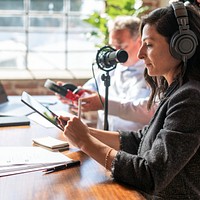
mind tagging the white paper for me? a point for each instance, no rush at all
(15, 160)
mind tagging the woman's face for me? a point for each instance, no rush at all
(155, 52)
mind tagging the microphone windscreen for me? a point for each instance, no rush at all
(122, 56)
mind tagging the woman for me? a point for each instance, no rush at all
(163, 159)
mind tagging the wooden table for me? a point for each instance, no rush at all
(89, 181)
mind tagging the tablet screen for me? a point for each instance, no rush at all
(40, 109)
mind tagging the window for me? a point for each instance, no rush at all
(46, 34)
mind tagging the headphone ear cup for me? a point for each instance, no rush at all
(183, 44)
(69, 86)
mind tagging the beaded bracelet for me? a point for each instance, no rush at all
(106, 158)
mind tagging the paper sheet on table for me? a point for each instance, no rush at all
(14, 160)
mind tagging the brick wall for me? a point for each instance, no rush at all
(34, 87)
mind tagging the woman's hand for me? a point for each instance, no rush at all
(93, 142)
(76, 132)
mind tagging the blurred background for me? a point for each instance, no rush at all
(56, 39)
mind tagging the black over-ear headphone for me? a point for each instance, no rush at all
(184, 42)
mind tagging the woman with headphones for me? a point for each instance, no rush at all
(163, 159)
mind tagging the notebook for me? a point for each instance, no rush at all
(14, 121)
(12, 105)
(51, 143)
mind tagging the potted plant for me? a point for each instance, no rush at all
(113, 8)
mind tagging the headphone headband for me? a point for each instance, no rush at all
(181, 15)
(184, 42)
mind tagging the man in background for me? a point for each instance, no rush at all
(128, 91)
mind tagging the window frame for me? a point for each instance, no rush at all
(25, 72)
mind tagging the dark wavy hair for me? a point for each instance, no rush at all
(165, 22)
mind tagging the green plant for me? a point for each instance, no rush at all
(113, 8)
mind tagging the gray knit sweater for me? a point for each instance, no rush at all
(163, 159)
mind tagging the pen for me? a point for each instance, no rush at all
(62, 167)
(79, 108)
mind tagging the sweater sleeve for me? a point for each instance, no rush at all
(129, 140)
(165, 150)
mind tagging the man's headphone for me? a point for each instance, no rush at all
(184, 42)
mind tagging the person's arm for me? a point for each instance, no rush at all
(91, 141)
(170, 144)
(109, 138)
(132, 110)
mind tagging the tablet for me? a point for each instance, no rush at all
(41, 109)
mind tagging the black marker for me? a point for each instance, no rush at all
(62, 167)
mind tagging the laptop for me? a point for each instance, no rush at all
(12, 105)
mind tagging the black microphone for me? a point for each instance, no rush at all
(108, 57)
(112, 58)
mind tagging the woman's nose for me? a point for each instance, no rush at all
(141, 53)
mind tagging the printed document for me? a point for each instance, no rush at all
(15, 160)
